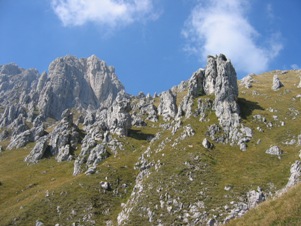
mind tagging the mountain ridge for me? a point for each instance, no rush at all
(80, 116)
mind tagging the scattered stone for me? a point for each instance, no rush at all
(290, 142)
(227, 187)
(90, 170)
(39, 223)
(206, 144)
(255, 197)
(274, 150)
(243, 146)
(247, 81)
(105, 185)
(284, 72)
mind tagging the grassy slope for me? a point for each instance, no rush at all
(23, 188)
(285, 210)
(226, 165)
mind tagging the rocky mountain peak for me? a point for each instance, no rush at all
(78, 83)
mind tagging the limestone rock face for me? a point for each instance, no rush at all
(23, 138)
(195, 89)
(103, 80)
(168, 107)
(11, 113)
(91, 155)
(221, 80)
(226, 93)
(118, 117)
(77, 83)
(64, 138)
(143, 105)
(17, 85)
(210, 75)
(196, 83)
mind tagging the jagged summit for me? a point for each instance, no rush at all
(78, 83)
(70, 82)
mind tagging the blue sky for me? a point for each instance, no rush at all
(153, 44)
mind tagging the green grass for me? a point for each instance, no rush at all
(285, 210)
(23, 188)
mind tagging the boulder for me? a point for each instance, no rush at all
(277, 84)
(247, 81)
(105, 185)
(274, 150)
(206, 144)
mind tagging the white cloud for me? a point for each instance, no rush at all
(110, 13)
(216, 26)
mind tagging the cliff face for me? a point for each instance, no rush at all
(81, 83)
(200, 153)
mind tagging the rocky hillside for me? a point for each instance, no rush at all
(76, 149)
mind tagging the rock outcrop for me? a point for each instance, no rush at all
(277, 84)
(38, 152)
(64, 138)
(226, 94)
(78, 83)
(247, 81)
(118, 117)
(168, 107)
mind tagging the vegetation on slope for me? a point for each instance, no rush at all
(183, 171)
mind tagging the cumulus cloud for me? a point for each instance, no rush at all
(110, 13)
(216, 26)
